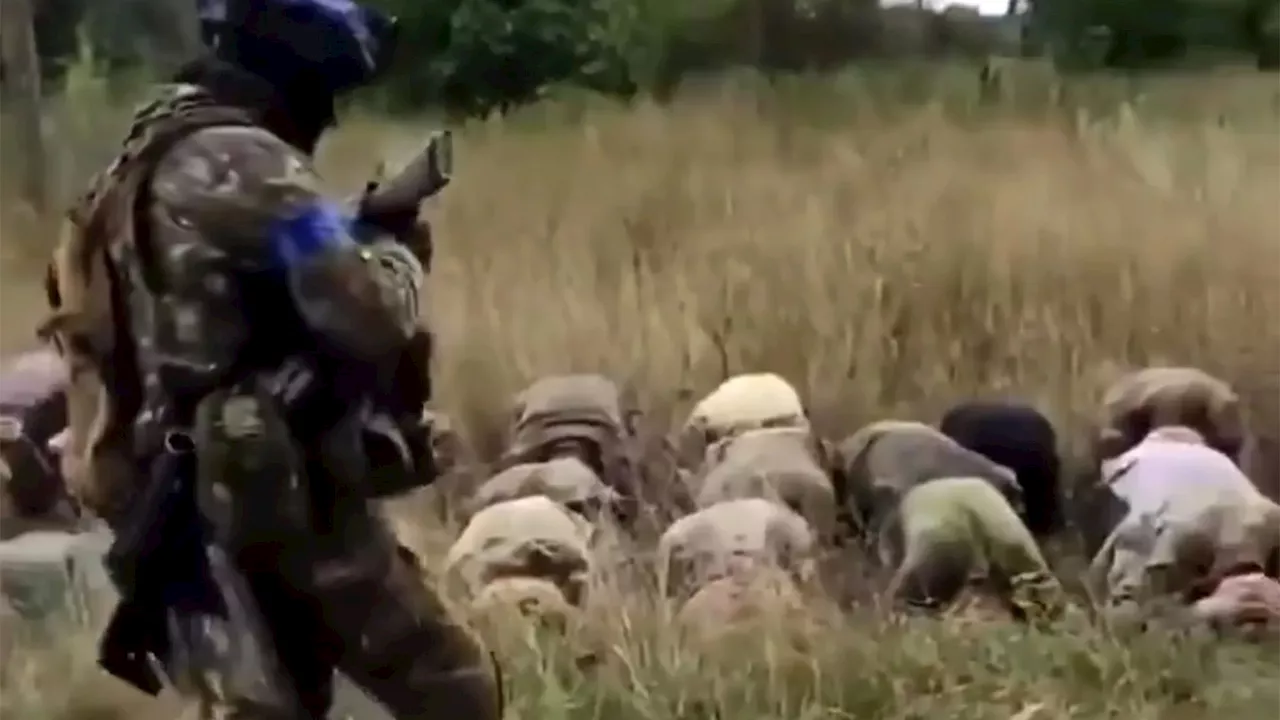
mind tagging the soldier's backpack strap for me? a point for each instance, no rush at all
(113, 214)
(107, 214)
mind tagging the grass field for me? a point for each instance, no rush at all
(888, 264)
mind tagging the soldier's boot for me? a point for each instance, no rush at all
(1037, 597)
(1029, 589)
(400, 643)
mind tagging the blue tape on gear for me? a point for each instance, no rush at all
(363, 231)
(318, 228)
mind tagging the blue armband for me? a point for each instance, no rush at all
(315, 229)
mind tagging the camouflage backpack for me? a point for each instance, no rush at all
(89, 322)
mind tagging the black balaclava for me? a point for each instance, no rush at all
(253, 65)
(288, 60)
(297, 112)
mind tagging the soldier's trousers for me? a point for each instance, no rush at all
(945, 528)
(351, 600)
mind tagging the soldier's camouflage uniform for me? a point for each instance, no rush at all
(533, 538)
(173, 283)
(734, 539)
(1193, 517)
(784, 465)
(945, 532)
(567, 481)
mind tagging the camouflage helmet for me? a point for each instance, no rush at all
(339, 43)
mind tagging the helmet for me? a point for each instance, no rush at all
(338, 43)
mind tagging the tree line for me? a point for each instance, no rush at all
(476, 56)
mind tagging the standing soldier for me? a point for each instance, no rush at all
(233, 336)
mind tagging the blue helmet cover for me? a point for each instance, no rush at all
(338, 42)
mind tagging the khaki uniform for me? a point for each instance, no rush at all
(736, 538)
(1157, 396)
(782, 465)
(530, 537)
(143, 316)
(946, 531)
(1192, 516)
(567, 481)
(743, 402)
(884, 460)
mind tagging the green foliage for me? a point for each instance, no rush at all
(476, 57)
(1262, 28)
(122, 35)
(1141, 34)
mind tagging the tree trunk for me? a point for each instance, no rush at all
(22, 91)
(184, 42)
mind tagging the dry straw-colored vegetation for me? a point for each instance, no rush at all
(889, 263)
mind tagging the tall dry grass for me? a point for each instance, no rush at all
(888, 264)
(888, 267)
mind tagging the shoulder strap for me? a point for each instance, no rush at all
(130, 177)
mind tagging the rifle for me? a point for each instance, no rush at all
(158, 546)
(401, 195)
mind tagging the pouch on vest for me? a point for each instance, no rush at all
(370, 453)
(250, 484)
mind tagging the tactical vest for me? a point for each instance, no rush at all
(90, 319)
